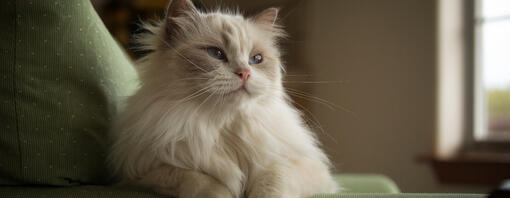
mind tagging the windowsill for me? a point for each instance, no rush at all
(472, 168)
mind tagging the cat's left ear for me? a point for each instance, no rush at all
(178, 13)
(179, 8)
(267, 17)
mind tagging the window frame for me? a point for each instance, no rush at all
(458, 156)
(478, 139)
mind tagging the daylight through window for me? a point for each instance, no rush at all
(492, 70)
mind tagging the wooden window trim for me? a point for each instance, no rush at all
(471, 168)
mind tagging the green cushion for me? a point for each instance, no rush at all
(369, 186)
(366, 183)
(60, 78)
(400, 195)
(111, 192)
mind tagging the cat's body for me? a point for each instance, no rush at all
(206, 124)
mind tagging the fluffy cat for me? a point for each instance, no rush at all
(211, 118)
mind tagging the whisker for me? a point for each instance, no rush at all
(191, 78)
(188, 79)
(331, 105)
(198, 107)
(193, 95)
(299, 75)
(316, 82)
(313, 97)
(306, 96)
(315, 122)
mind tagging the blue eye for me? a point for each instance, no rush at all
(216, 53)
(256, 59)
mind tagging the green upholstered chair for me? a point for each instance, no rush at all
(62, 77)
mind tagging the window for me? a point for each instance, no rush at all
(492, 70)
(473, 106)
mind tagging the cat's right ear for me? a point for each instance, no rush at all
(267, 17)
(177, 10)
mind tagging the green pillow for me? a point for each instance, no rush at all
(61, 77)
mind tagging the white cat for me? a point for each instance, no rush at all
(211, 118)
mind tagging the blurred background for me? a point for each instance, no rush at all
(418, 90)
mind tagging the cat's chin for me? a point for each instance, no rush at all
(239, 96)
(241, 92)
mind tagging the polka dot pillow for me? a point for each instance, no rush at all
(61, 79)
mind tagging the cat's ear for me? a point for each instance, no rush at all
(180, 8)
(267, 17)
(178, 13)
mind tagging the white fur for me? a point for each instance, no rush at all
(218, 142)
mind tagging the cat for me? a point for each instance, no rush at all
(211, 117)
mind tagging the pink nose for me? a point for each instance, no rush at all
(243, 74)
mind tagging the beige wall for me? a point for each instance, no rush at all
(385, 51)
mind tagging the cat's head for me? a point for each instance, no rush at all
(222, 55)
